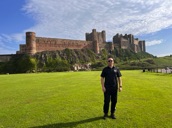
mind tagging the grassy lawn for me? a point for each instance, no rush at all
(75, 99)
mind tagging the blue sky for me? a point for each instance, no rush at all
(71, 19)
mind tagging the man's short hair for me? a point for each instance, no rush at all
(110, 57)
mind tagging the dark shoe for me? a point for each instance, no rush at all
(105, 116)
(113, 116)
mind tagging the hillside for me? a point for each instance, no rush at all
(163, 61)
(125, 59)
(84, 59)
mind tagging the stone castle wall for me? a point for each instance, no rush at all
(51, 44)
(5, 58)
(94, 41)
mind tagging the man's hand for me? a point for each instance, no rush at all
(103, 86)
(103, 89)
(120, 89)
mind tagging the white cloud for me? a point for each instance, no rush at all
(7, 43)
(153, 42)
(73, 18)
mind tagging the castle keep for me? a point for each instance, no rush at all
(128, 42)
(94, 41)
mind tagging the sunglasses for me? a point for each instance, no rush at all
(110, 60)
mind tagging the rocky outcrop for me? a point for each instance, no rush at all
(78, 59)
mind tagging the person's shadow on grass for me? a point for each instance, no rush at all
(69, 124)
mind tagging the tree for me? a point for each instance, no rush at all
(56, 65)
(20, 64)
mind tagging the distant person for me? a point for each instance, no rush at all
(111, 82)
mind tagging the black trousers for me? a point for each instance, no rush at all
(110, 95)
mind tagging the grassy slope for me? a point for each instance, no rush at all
(163, 61)
(75, 99)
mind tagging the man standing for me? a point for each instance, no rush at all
(111, 82)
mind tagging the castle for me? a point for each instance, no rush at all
(128, 42)
(94, 41)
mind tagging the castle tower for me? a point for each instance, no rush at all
(95, 41)
(131, 38)
(30, 43)
(142, 45)
(96, 47)
(116, 41)
(94, 35)
(104, 36)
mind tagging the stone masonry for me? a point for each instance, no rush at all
(128, 42)
(94, 41)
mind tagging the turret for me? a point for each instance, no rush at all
(94, 35)
(142, 45)
(104, 36)
(131, 38)
(30, 43)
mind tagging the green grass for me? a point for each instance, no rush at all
(75, 99)
(163, 61)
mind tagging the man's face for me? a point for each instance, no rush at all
(110, 62)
